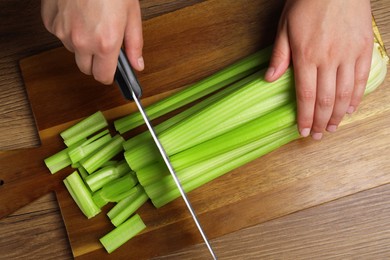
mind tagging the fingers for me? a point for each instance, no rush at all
(362, 70)
(344, 89)
(326, 82)
(305, 85)
(280, 59)
(133, 38)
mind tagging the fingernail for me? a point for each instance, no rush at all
(317, 136)
(331, 128)
(350, 110)
(305, 132)
(141, 63)
(270, 72)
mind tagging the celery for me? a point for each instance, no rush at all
(84, 128)
(89, 146)
(106, 174)
(81, 195)
(218, 117)
(58, 161)
(145, 136)
(124, 203)
(131, 204)
(164, 190)
(122, 233)
(116, 190)
(111, 149)
(200, 89)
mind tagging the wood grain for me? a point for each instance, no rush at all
(375, 248)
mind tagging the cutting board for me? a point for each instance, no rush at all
(180, 48)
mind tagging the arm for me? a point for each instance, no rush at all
(330, 45)
(95, 31)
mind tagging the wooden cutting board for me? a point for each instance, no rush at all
(180, 48)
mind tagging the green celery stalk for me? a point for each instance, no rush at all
(107, 174)
(130, 208)
(97, 159)
(77, 153)
(198, 90)
(84, 128)
(247, 133)
(134, 192)
(115, 190)
(58, 161)
(81, 195)
(165, 190)
(122, 233)
(190, 132)
(145, 136)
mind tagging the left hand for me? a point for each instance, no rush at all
(330, 45)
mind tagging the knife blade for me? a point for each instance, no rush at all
(131, 89)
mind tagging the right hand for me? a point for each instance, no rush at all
(95, 31)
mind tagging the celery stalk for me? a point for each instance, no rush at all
(164, 190)
(111, 149)
(84, 128)
(130, 208)
(115, 190)
(81, 195)
(217, 117)
(122, 233)
(134, 192)
(145, 136)
(200, 89)
(58, 161)
(78, 153)
(106, 174)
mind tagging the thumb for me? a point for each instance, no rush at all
(281, 55)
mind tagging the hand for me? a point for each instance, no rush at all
(330, 45)
(95, 31)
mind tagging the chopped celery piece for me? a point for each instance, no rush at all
(81, 195)
(84, 128)
(123, 203)
(115, 190)
(83, 173)
(106, 153)
(199, 89)
(79, 152)
(58, 161)
(123, 233)
(106, 174)
(130, 208)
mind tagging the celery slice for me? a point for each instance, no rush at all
(124, 203)
(122, 233)
(106, 174)
(81, 195)
(115, 191)
(84, 128)
(78, 153)
(106, 153)
(129, 207)
(58, 161)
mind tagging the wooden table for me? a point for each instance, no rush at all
(350, 227)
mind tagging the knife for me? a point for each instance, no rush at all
(131, 90)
